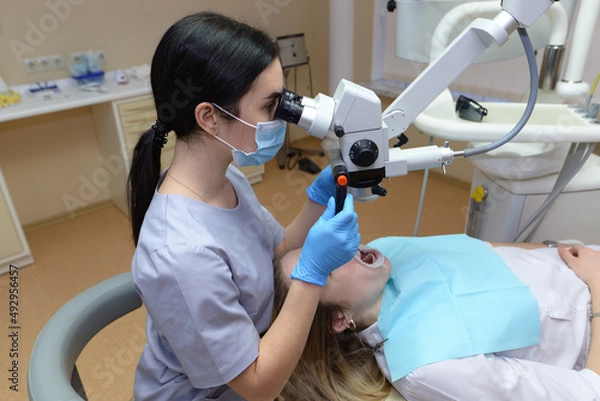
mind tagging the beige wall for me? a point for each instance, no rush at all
(363, 39)
(49, 157)
(54, 157)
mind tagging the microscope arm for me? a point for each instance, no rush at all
(459, 55)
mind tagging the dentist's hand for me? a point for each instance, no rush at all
(330, 243)
(322, 188)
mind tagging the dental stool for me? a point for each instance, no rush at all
(52, 374)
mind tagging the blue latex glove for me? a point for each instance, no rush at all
(331, 242)
(322, 188)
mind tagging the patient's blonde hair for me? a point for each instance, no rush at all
(333, 367)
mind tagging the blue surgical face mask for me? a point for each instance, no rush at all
(269, 138)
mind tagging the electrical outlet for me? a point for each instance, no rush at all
(31, 65)
(44, 63)
(57, 62)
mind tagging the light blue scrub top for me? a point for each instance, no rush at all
(205, 275)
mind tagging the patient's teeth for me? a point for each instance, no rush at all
(369, 257)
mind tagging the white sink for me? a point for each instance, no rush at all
(548, 123)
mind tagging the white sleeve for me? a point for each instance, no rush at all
(493, 378)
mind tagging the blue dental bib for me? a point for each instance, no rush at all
(450, 297)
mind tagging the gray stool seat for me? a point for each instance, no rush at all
(52, 374)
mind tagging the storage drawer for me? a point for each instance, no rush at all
(136, 117)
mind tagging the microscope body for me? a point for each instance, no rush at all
(363, 138)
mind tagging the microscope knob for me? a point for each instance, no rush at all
(364, 153)
(379, 190)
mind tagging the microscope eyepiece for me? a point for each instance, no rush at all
(290, 107)
(312, 115)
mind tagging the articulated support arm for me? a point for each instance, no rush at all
(354, 113)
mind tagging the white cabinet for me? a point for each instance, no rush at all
(14, 248)
(119, 124)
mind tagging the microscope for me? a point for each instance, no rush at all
(364, 158)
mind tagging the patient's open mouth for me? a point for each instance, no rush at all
(369, 257)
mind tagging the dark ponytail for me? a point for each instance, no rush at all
(204, 57)
(145, 175)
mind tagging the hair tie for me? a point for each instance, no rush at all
(160, 133)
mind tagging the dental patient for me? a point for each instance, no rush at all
(453, 318)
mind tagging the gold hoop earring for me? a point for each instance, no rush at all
(351, 324)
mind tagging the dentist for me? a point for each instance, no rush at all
(204, 244)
